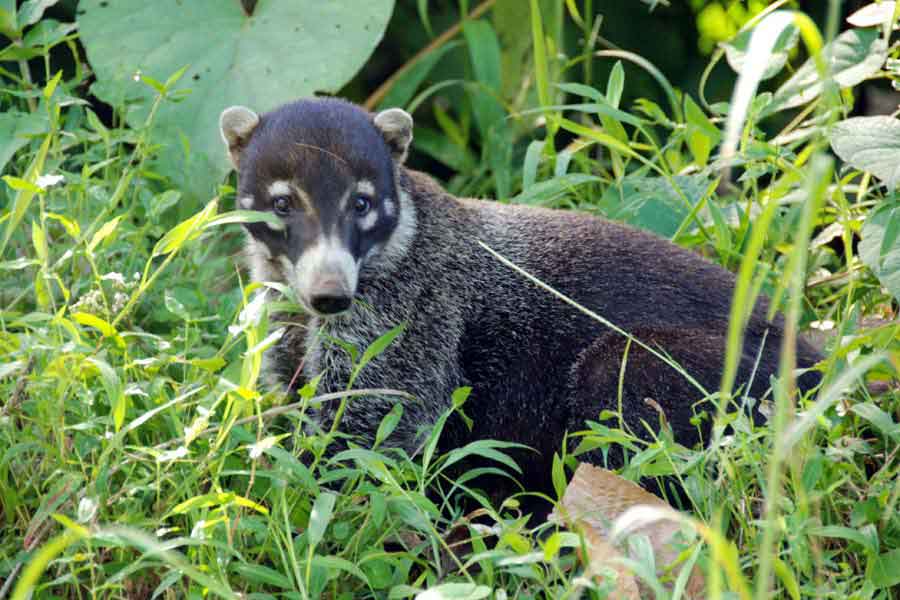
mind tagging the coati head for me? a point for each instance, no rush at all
(327, 169)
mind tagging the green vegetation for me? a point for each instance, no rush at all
(141, 456)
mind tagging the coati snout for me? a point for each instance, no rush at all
(331, 183)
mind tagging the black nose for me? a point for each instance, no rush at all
(329, 304)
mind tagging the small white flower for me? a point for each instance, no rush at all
(119, 301)
(87, 508)
(163, 531)
(826, 325)
(48, 181)
(164, 345)
(171, 455)
(137, 75)
(261, 446)
(108, 435)
(89, 303)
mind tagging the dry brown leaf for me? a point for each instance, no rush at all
(602, 555)
(610, 509)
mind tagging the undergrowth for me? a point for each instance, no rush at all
(142, 456)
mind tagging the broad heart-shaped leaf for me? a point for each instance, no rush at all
(285, 50)
(736, 50)
(855, 55)
(870, 144)
(880, 245)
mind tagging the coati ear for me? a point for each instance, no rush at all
(396, 125)
(236, 124)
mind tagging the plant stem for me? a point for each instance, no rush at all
(378, 95)
(26, 76)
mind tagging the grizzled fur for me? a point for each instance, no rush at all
(537, 366)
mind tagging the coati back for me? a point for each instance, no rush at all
(367, 244)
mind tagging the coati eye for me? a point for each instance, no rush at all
(362, 205)
(281, 205)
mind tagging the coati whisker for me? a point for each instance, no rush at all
(324, 151)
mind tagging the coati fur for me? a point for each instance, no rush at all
(368, 244)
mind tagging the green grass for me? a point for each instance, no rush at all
(141, 454)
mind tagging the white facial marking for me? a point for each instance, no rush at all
(368, 222)
(285, 188)
(401, 238)
(390, 208)
(327, 259)
(245, 202)
(279, 188)
(364, 186)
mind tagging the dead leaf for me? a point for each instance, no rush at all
(609, 510)
(604, 556)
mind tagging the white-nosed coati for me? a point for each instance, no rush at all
(367, 244)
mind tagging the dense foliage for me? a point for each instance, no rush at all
(141, 453)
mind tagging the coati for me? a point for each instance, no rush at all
(367, 244)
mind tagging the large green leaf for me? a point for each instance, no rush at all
(284, 50)
(855, 55)
(870, 144)
(880, 245)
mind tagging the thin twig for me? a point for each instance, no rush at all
(379, 94)
(26, 76)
